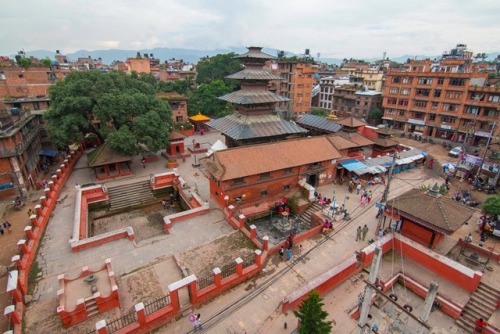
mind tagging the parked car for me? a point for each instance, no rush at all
(455, 152)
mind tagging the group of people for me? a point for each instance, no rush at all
(322, 200)
(361, 233)
(286, 254)
(366, 198)
(5, 227)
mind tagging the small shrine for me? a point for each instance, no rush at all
(89, 293)
(384, 145)
(199, 122)
(107, 163)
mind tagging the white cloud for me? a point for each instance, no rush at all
(362, 28)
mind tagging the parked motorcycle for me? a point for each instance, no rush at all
(402, 134)
(430, 140)
(410, 136)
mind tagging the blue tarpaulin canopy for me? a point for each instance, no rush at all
(49, 153)
(352, 165)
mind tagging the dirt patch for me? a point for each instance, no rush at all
(140, 286)
(219, 253)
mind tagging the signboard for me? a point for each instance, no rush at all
(447, 127)
(472, 159)
(416, 121)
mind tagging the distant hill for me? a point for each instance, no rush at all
(193, 56)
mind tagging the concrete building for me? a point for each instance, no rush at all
(354, 100)
(297, 83)
(445, 100)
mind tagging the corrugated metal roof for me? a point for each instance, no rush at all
(243, 161)
(253, 74)
(319, 122)
(351, 122)
(240, 127)
(248, 97)
(255, 52)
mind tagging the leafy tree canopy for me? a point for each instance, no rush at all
(217, 68)
(319, 112)
(312, 316)
(492, 205)
(178, 86)
(375, 115)
(205, 100)
(131, 119)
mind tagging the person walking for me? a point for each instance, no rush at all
(365, 231)
(479, 325)
(7, 226)
(358, 188)
(369, 196)
(143, 162)
(197, 323)
(358, 233)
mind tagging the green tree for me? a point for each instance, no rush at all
(46, 62)
(204, 99)
(178, 86)
(319, 112)
(25, 62)
(312, 316)
(492, 205)
(130, 118)
(375, 115)
(217, 68)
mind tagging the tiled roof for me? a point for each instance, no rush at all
(249, 97)
(174, 134)
(356, 138)
(255, 52)
(441, 213)
(341, 143)
(105, 155)
(385, 142)
(244, 161)
(319, 122)
(351, 122)
(254, 74)
(240, 127)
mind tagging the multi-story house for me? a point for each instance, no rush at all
(355, 100)
(445, 100)
(297, 83)
(23, 99)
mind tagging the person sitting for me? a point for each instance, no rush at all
(327, 226)
(371, 182)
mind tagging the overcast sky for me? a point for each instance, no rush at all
(336, 29)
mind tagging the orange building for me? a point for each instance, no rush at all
(178, 104)
(441, 100)
(139, 65)
(235, 175)
(297, 82)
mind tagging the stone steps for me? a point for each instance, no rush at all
(91, 307)
(130, 194)
(305, 218)
(482, 304)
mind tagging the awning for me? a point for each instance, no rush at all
(416, 121)
(352, 165)
(48, 153)
(482, 134)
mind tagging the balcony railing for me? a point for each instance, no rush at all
(21, 147)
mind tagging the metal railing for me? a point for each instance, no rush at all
(228, 270)
(205, 281)
(119, 323)
(157, 304)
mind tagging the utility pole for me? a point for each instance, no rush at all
(383, 201)
(367, 296)
(484, 154)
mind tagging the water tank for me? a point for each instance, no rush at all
(307, 52)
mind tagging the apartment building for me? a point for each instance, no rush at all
(23, 99)
(297, 83)
(446, 100)
(355, 100)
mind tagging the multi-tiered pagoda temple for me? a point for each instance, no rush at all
(255, 120)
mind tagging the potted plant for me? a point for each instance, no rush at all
(172, 163)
